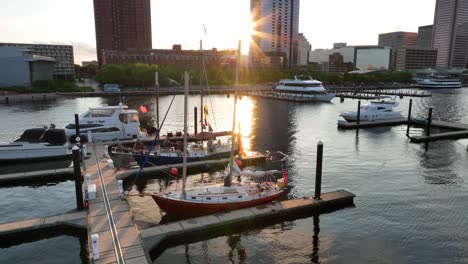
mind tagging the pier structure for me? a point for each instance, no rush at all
(458, 130)
(110, 224)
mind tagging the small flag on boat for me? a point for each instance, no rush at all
(143, 108)
(205, 110)
(285, 177)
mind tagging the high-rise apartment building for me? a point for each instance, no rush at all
(398, 39)
(450, 35)
(424, 37)
(276, 29)
(121, 25)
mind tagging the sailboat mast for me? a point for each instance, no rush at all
(184, 168)
(228, 179)
(201, 85)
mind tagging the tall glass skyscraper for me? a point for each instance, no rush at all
(450, 36)
(276, 30)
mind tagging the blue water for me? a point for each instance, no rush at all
(411, 198)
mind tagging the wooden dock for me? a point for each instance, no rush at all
(75, 219)
(278, 211)
(29, 97)
(273, 95)
(367, 124)
(459, 130)
(35, 175)
(109, 216)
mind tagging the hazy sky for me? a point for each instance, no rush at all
(357, 22)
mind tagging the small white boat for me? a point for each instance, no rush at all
(36, 144)
(438, 83)
(303, 87)
(107, 123)
(375, 111)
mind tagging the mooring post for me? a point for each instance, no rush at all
(318, 171)
(409, 116)
(358, 112)
(77, 174)
(6, 100)
(195, 123)
(77, 127)
(44, 96)
(429, 121)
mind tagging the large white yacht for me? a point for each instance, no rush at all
(107, 123)
(375, 111)
(305, 87)
(438, 83)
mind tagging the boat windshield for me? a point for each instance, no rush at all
(72, 126)
(99, 113)
(303, 84)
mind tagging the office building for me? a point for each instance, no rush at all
(398, 39)
(19, 67)
(303, 50)
(62, 54)
(121, 25)
(450, 34)
(424, 39)
(414, 58)
(360, 57)
(274, 42)
(162, 57)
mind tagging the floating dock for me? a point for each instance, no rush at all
(21, 98)
(75, 219)
(35, 175)
(290, 209)
(367, 124)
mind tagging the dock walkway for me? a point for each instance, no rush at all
(109, 215)
(76, 219)
(32, 175)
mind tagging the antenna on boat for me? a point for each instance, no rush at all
(228, 179)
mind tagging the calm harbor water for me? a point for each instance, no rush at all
(410, 205)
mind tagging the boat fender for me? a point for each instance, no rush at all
(174, 171)
(110, 163)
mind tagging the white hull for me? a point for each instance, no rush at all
(25, 151)
(439, 84)
(451, 86)
(325, 97)
(369, 117)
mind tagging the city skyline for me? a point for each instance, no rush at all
(50, 21)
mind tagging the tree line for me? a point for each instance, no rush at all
(142, 75)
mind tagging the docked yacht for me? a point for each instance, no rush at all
(173, 154)
(438, 83)
(304, 87)
(36, 144)
(375, 111)
(107, 123)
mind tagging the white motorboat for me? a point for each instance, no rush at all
(438, 83)
(375, 111)
(303, 87)
(107, 123)
(36, 144)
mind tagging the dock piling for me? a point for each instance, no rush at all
(409, 116)
(429, 121)
(358, 112)
(77, 128)
(318, 171)
(77, 174)
(195, 123)
(6, 100)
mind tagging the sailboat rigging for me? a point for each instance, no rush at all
(212, 198)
